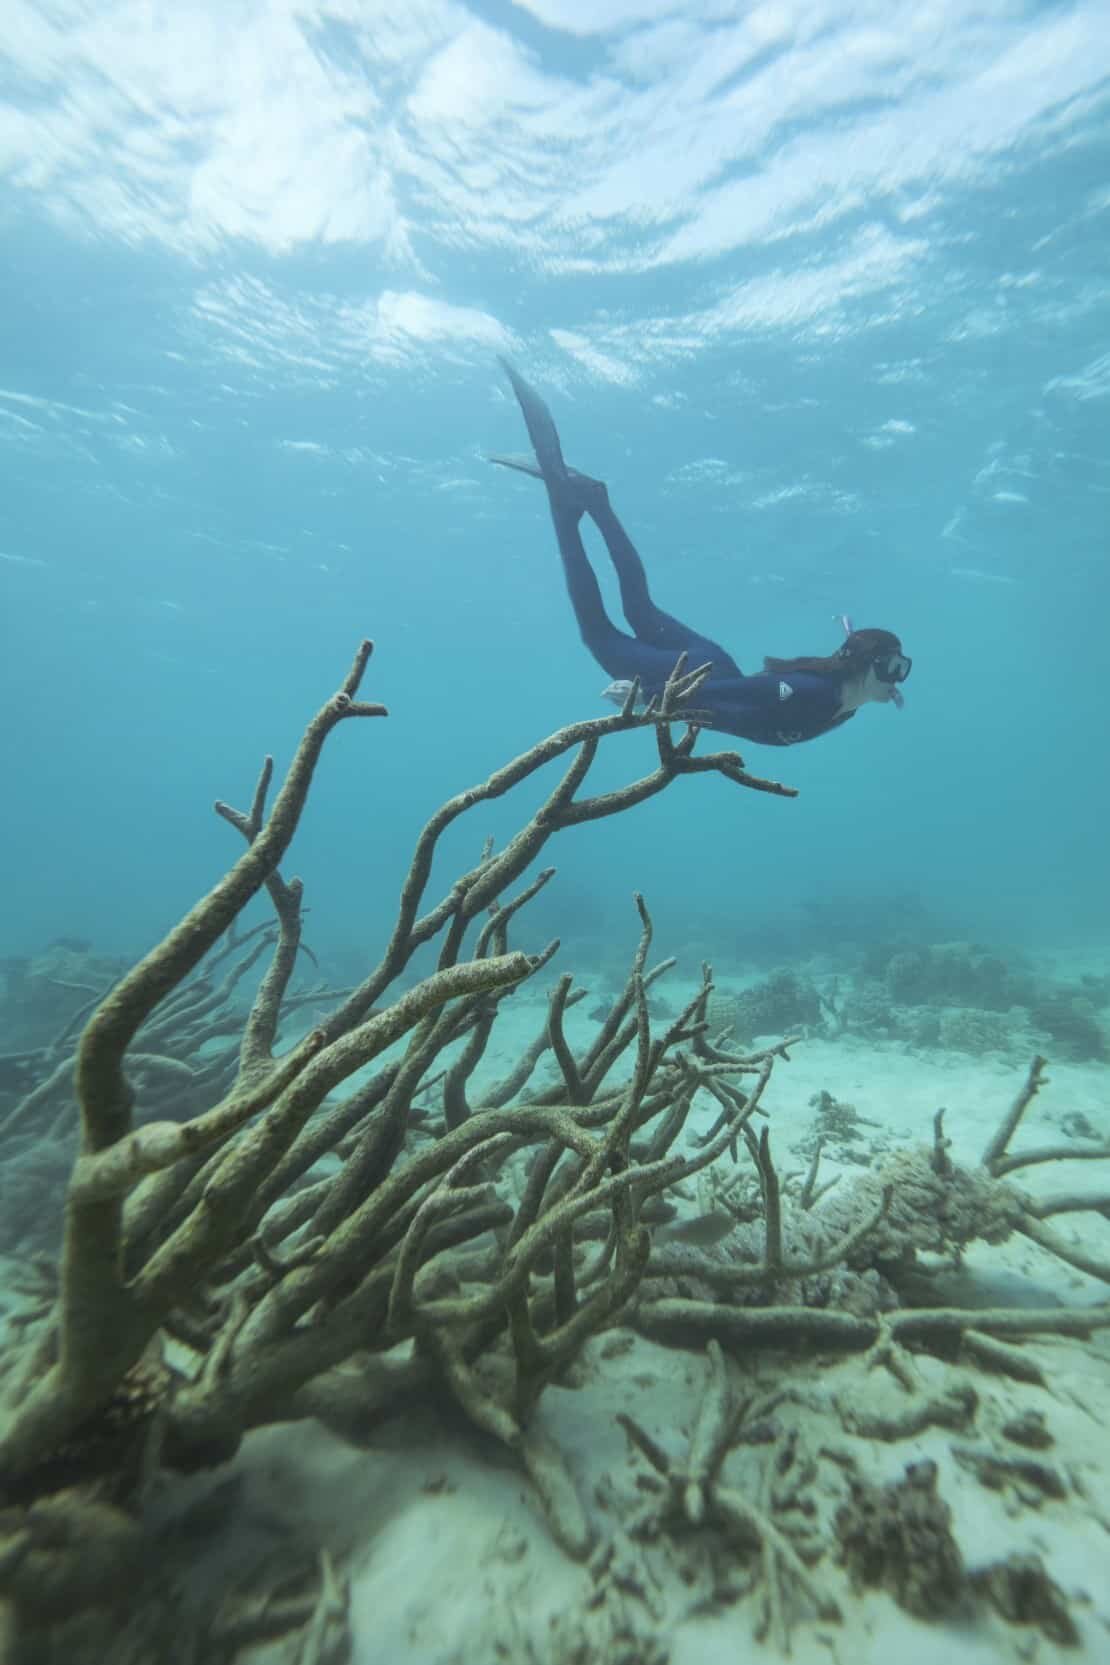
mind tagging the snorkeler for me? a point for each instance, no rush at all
(788, 701)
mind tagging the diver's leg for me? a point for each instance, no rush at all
(571, 494)
(649, 622)
(624, 657)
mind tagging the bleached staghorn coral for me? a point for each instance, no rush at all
(424, 1266)
(182, 1060)
(212, 1230)
(914, 1201)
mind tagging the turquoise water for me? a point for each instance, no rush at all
(821, 292)
(819, 287)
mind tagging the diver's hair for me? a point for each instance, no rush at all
(834, 666)
(850, 660)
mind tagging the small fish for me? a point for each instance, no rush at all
(699, 1230)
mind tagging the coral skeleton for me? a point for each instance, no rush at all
(347, 1224)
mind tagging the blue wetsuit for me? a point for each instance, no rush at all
(772, 708)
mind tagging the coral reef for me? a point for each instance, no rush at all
(220, 1229)
(899, 1537)
(1020, 1590)
(913, 1202)
(964, 998)
(184, 1057)
(949, 974)
(838, 1127)
(41, 992)
(782, 1004)
(356, 1220)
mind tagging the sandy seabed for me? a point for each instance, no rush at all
(448, 1556)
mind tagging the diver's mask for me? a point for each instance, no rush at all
(892, 667)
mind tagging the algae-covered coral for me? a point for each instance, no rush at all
(355, 1222)
(961, 997)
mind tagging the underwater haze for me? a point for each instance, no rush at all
(397, 1270)
(819, 289)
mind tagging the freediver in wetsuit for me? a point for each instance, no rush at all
(790, 700)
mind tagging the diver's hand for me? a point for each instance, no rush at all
(618, 692)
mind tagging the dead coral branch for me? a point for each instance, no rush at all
(221, 1230)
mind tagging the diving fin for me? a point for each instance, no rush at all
(541, 428)
(524, 465)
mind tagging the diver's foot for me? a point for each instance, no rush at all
(589, 496)
(576, 493)
(618, 693)
(573, 495)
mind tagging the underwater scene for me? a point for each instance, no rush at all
(555, 957)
